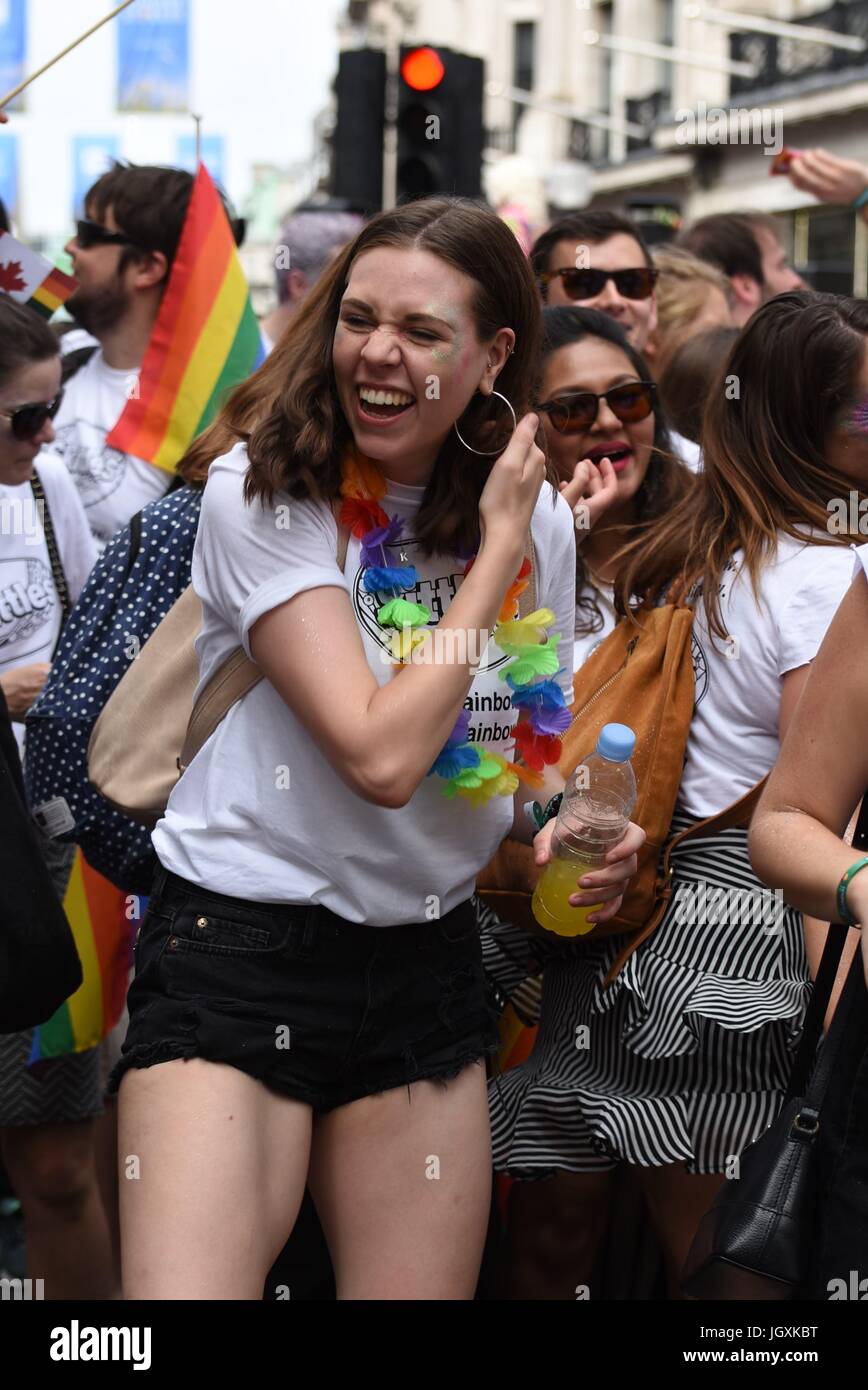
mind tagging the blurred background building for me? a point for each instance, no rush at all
(606, 125)
(578, 103)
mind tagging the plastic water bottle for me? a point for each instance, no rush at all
(598, 803)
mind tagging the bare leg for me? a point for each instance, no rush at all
(52, 1169)
(677, 1201)
(106, 1155)
(213, 1168)
(554, 1229)
(402, 1184)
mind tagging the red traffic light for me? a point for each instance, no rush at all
(422, 69)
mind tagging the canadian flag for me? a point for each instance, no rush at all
(30, 278)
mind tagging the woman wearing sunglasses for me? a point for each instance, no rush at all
(46, 554)
(610, 447)
(689, 1050)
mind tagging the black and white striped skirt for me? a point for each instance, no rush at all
(684, 1057)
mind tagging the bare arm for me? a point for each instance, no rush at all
(383, 739)
(796, 838)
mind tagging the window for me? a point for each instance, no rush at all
(824, 249)
(523, 42)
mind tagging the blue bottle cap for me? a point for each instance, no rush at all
(616, 742)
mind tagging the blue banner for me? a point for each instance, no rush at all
(213, 155)
(13, 47)
(9, 174)
(154, 56)
(92, 156)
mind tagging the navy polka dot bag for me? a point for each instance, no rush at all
(138, 578)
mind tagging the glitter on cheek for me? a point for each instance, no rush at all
(858, 421)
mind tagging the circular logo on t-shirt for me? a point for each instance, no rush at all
(435, 593)
(700, 668)
(96, 469)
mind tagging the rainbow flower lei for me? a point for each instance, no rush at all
(469, 770)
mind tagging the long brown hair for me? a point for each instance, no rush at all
(288, 413)
(770, 411)
(666, 478)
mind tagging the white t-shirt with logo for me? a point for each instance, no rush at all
(112, 486)
(260, 813)
(733, 738)
(586, 643)
(30, 611)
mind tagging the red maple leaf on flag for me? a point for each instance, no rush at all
(10, 277)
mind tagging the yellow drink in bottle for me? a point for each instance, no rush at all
(595, 810)
(551, 906)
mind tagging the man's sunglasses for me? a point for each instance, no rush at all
(89, 234)
(587, 284)
(577, 412)
(28, 420)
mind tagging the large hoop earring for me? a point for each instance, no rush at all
(487, 452)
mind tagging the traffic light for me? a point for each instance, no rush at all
(440, 123)
(357, 144)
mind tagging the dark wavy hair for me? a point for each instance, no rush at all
(666, 479)
(797, 364)
(289, 415)
(25, 337)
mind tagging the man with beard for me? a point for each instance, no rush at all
(122, 257)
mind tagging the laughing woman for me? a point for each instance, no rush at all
(309, 1001)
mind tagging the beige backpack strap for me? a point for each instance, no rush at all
(227, 686)
(527, 600)
(739, 813)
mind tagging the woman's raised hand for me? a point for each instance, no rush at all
(513, 486)
(590, 492)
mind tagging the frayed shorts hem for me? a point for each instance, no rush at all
(153, 1055)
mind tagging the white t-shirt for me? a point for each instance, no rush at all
(587, 642)
(688, 451)
(112, 486)
(233, 824)
(733, 738)
(861, 561)
(30, 612)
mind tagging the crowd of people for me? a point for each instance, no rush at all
(314, 1022)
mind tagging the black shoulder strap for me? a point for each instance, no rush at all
(135, 543)
(823, 986)
(74, 361)
(59, 577)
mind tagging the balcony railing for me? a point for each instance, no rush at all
(645, 111)
(782, 61)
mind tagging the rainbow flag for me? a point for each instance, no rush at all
(103, 932)
(30, 279)
(205, 341)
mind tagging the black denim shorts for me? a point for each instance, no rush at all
(318, 1008)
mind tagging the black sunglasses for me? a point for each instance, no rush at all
(587, 284)
(577, 412)
(89, 234)
(28, 420)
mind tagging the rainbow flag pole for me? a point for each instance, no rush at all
(205, 341)
(97, 914)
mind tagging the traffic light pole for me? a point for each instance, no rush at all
(390, 127)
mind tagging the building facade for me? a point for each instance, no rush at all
(625, 129)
